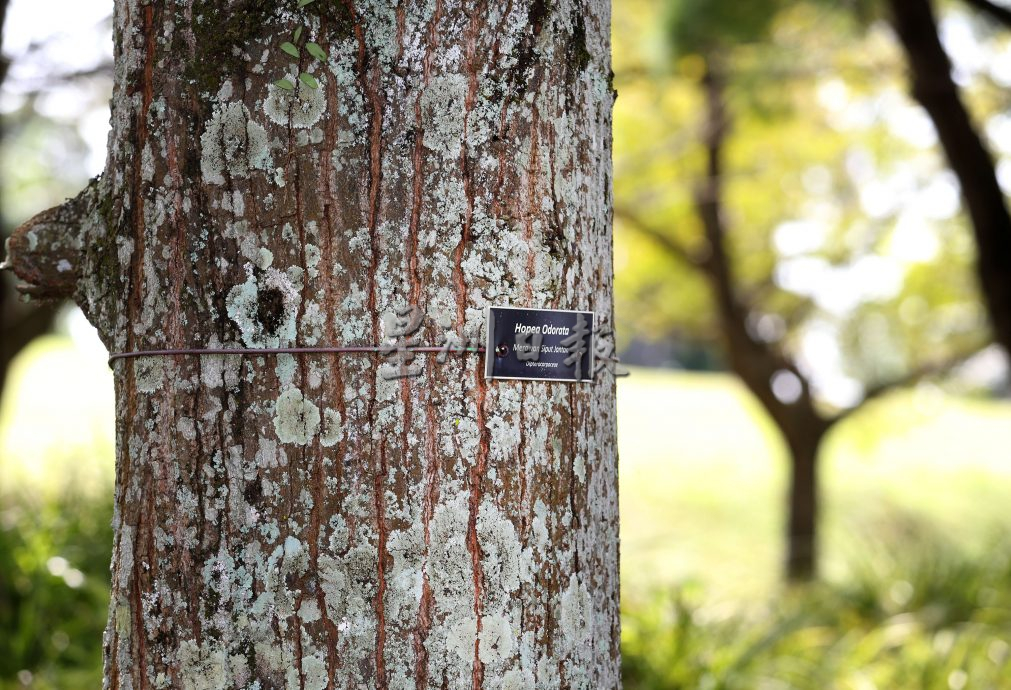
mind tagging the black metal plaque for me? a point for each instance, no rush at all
(538, 344)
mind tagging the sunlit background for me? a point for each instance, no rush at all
(855, 258)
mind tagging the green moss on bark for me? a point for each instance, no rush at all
(576, 51)
(219, 29)
(338, 20)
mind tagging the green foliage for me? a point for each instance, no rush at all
(917, 612)
(315, 51)
(818, 115)
(901, 588)
(54, 589)
(914, 610)
(703, 26)
(291, 48)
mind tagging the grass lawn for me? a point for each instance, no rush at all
(703, 473)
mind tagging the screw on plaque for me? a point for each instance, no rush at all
(502, 350)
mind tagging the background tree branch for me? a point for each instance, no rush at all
(934, 367)
(666, 241)
(994, 11)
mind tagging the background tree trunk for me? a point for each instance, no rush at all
(301, 522)
(934, 88)
(803, 504)
(18, 323)
(756, 362)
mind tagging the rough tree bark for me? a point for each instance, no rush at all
(302, 522)
(934, 88)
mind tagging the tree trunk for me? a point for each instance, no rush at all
(757, 362)
(802, 519)
(301, 521)
(968, 156)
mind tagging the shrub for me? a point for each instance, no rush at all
(916, 611)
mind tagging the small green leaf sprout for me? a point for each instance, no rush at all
(291, 48)
(316, 51)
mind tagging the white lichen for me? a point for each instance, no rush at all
(312, 257)
(264, 258)
(500, 550)
(232, 144)
(332, 432)
(495, 642)
(575, 615)
(149, 372)
(296, 420)
(274, 325)
(301, 108)
(442, 108)
(461, 637)
(203, 667)
(186, 428)
(515, 679)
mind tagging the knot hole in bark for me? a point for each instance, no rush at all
(270, 310)
(253, 491)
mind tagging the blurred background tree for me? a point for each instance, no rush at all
(51, 98)
(55, 535)
(934, 87)
(780, 214)
(18, 324)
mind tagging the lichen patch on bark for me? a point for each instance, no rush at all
(296, 420)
